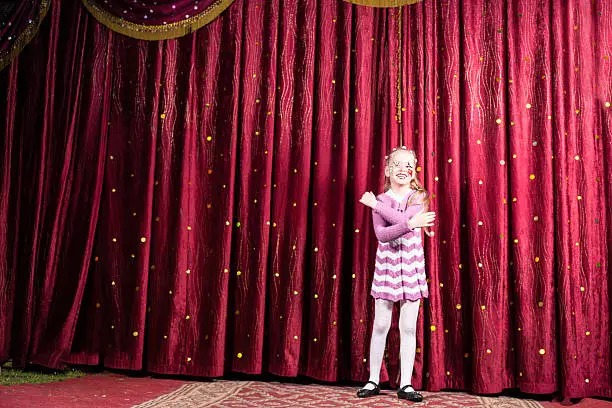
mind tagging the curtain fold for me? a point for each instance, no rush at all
(190, 206)
(52, 176)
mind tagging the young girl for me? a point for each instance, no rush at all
(398, 215)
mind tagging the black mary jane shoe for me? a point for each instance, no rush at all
(410, 396)
(365, 393)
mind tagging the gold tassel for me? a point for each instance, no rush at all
(383, 3)
(157, 32)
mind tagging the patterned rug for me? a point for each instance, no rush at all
(234, 394)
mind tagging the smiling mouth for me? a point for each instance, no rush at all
(404, 176)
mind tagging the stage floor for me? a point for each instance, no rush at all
(115, 390)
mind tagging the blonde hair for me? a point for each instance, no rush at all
(415, 183)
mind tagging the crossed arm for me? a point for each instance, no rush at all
(392, 216)
(390, 224)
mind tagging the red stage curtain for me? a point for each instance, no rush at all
(190, 206)
(149, 20)
(19, 22)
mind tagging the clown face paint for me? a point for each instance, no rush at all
(401, 167)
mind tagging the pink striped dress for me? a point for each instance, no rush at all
(400, 261)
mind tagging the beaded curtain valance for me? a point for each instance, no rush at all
(155, 20)
(146, 20)
(19, 22)
(383, 3)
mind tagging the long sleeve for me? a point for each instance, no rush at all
(393, 216)
(385, 232)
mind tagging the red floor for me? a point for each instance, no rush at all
(92, 391)
(118, 391)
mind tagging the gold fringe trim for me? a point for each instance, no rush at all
(25, 37)
(383, 3)
(157, 32)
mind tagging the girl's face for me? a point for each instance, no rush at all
(401, 168)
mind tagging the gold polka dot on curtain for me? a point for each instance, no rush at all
(383, 3)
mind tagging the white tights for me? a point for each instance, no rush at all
(383, 310)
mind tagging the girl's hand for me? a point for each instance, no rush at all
(368, 199)
(422, 219)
